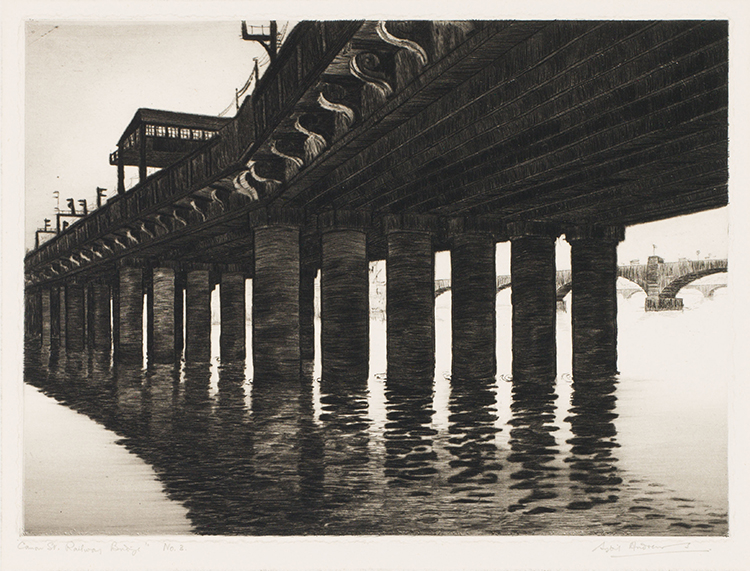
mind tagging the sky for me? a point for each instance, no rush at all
(85, 81)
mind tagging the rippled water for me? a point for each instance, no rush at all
(642, 454)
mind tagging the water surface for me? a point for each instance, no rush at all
(643, 453)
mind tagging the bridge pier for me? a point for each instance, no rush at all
(46, 295)
(32, 316)
(129, 315)
(344, 296)
(307, 312)
(593, 254)
(166, 321)
(276, 294)
(198, 316)
(533, 296)
(232, 337)
(410, 299)
(62, 314)
(99, 309)
(473, 287)
(55, 314)
(75, 340)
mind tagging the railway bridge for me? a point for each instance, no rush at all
(390, 141)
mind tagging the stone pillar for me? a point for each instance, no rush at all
(55, 314)
(344, 297)
(232, 296)
(75, 327)
(473, 293)
(63, 319)
(33, 316)
(163, 314)
(88, 296)
(652, 283)
(198, 316)
(46, 316)
(129, 348)
(593, 257)
(532, 267)
(307, 313)
(276, 288)
(101, 331)
(179, 314)
(410, 299)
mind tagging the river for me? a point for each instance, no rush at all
(201, 449)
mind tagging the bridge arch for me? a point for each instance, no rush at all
(444, 285)
(671, 290)
(712, 291)
(565, 288)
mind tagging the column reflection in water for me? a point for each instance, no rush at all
(160, 396)
(233, 443)
(311, 463)
(410, 457)
(197, 449)
(128, 398)
(93, 385)
(472, 439)
(533, 446)
(593, 469)
(348, 474)
(276, 479)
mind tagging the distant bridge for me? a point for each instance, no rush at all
(660, 281)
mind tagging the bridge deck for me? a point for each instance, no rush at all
(563, 122)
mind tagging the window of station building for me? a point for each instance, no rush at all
(161, 131)
(130, 141)
(197, 135)
(184, 133)
(209, 134)
(149, 130)
(173, 132)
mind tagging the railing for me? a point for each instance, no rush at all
(308, 50)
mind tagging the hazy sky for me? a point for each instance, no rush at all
(84, 82)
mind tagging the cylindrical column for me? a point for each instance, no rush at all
(473, 293)
(276, 283)
(532, 266)
(75, 328)
(55, 313)
(33, 316)
(410, 306)
(129, 348)
(345, 303)
(46, 316)
(163, 330)
(594, 305)
(307, 313)
(232, 296)
(63, 319)
(101, 332)
(198, 316)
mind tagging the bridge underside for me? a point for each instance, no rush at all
(391, 130)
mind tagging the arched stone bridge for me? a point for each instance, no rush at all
(659, 280)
